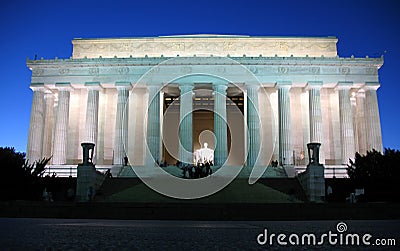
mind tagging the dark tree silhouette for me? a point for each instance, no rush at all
(18, 178)
(378, 173)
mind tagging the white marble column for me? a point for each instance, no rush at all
(374, 134)
(153, 125)
(315, 111)
(35, 138)
(92, 113)
(61, 127)
(121, 124)
(220, 124)
(253, 124)
(48, 124)
(186, 123)
(353, 102)
(346, 122)
(361, 126)
(285, 133)
(314, 95)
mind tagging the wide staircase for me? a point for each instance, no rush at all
(290, 186)
(114, 185)
(265, 190)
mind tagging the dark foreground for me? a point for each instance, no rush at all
(187, 210)
(84, 234)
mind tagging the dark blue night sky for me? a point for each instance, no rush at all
(46, 28)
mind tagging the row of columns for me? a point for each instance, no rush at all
(367, 113)
(220, 124)
(186, 124)
(40, 137)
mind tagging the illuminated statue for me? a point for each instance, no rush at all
(204, 154)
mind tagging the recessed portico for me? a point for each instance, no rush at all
(207, 124)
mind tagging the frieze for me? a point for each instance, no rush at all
(298, 70)
(94, 71)
(228, 46)
(283, 46)
(344, 70)
(37, 72)
(126, 46)
(123, 70)
(63, 71)
(314, 70)
(266, 74)
(253, 69)
(372, 71)
(186, 69)
(177, 46)
(283, 70)
(219, 70)
(329, 70)
(99, 47)
(204, 46)
(267, 69)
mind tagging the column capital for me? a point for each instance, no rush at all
(220, 83)
(186, 87)
(123, 85)
(93, 86)
(48, 94)
(220, 87)
(372, 85)
(283, 84)
(343, 85)
(314, 85)
(153, 88)
(66, 86)
(252, 87)
(37, 87)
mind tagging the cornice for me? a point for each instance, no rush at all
(318, 61)
(265, 69)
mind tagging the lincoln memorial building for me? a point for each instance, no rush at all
(233, 100)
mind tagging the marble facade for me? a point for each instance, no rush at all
(306, 93)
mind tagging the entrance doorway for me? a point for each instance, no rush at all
(203, 124)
